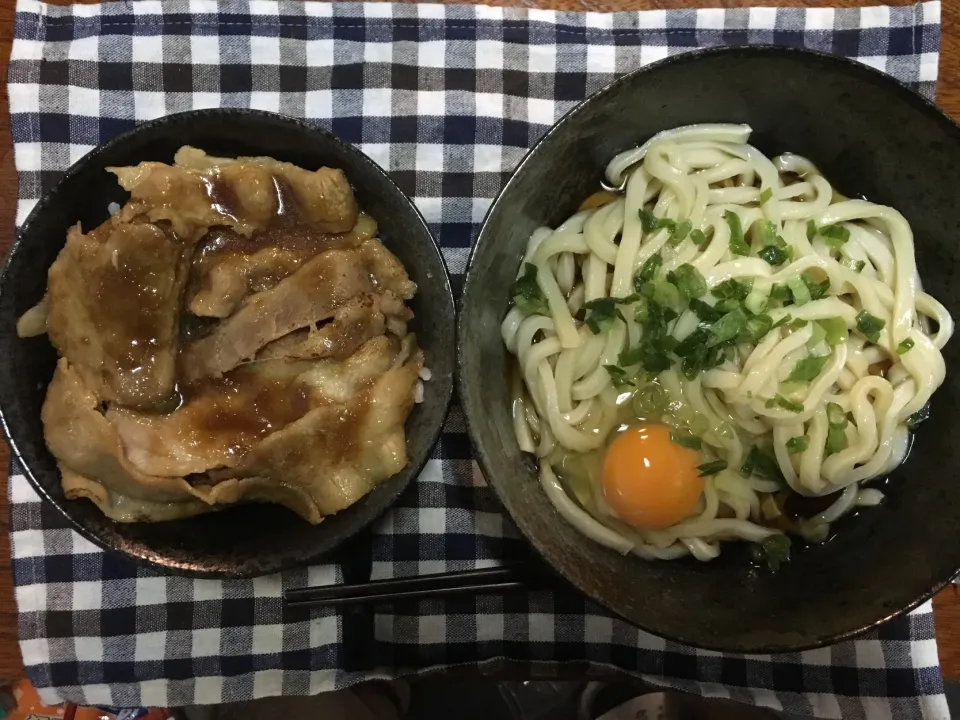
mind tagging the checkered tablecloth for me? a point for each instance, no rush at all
(447, 99)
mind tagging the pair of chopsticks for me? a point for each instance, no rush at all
(420, 587)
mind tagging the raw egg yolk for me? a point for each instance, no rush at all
(649, 481)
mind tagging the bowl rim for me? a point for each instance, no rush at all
(469, 296)
(414, 469)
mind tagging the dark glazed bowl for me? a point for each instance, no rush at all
(871, 137)
(248, 540)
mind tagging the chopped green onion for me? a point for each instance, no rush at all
(727, 328)
(784, 404)
(712, 468)
(905, 346)
(759, 463)
(758, 299)
(816, 289)
(665, 293)
(641, 311)
(738, 246)
(655, 360)
(870, 325)
(785, 320)
(692, 342)
(797, 324)
(617, 375)
(526, 293)
(773, 255)
(651, 267)
(781, 293)
(836, 330)
(733, 289)
(755, 328)
(855, 265)
(707, 313)
(835, 236)
(798, 444)
(765, 195)
(836, 439)
(600, 313)
(776, 548)
(807, 369)
(689, 281)
(811, 230)
(836, 415)
(817, 336)
(679, 232)
(633, 356)
(686, 440)
(698, 238)
(918, 417)
(801, 295)
(648, 222)
(836, 435)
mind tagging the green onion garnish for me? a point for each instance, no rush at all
(776, 548)
(870, 325)
(526, 293)
(836, 439)
(712, 468)
(784, 404)
(733, 289)
(918, 417)
(905, 346)
(759, 463)
(738, 246)
(651, 267)
(836, 330)
(807, 369)
(798, 444)
(600, 313)
(835, 236)
(617, 375)
(727, 328)
(707, 313)
(679, 232)
(801, 295)
(765, 195)
(686, 439)
(647, 221)
(698, 238)
(689, 281)
(773, 255)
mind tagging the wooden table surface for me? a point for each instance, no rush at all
(946, 604)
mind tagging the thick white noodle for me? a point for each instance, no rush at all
(698, 173)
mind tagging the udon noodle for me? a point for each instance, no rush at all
(834, 355)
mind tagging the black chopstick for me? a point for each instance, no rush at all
(419, 587)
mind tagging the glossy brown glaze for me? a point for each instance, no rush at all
(243, 407)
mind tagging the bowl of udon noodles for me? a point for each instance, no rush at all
(705, 348)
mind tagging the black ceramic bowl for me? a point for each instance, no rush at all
(247, 540)
(871, 137)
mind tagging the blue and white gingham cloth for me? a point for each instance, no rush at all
(447, 99)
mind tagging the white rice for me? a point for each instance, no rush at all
(418, 393)
(113, 208)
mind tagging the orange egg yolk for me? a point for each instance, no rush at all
(649, 481)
